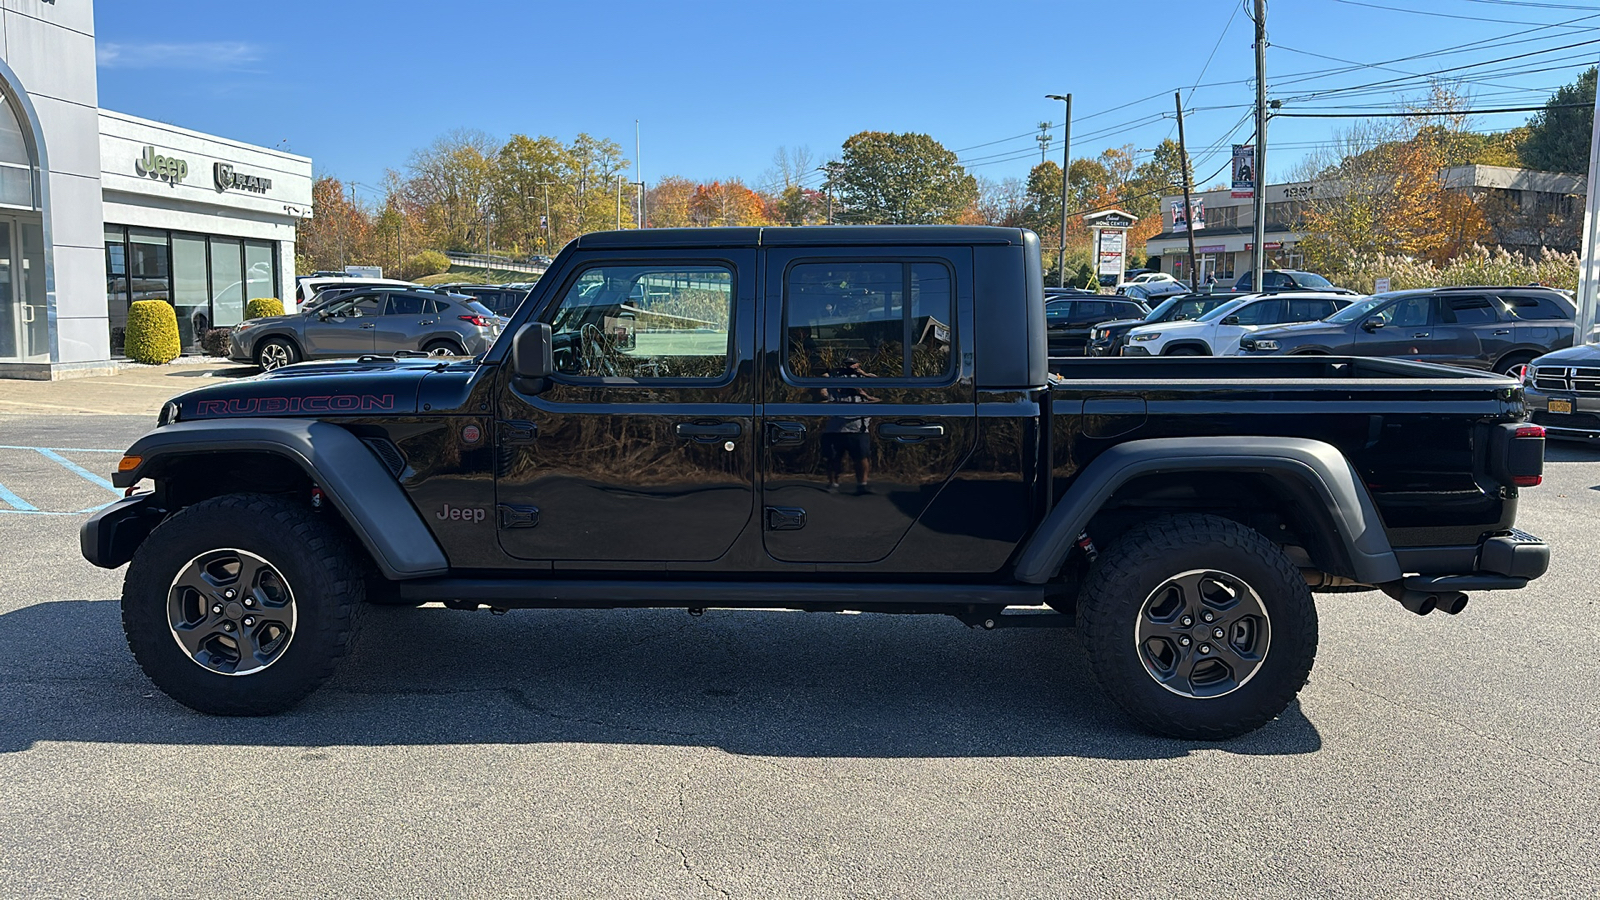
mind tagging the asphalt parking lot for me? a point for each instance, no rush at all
(651, 754)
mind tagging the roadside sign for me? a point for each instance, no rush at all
(1380, 286)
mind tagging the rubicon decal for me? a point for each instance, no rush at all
(266, 406)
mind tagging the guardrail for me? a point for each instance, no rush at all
(496, 263)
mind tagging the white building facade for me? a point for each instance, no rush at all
(98, 208)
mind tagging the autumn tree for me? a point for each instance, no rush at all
(339, 234)
(907, 179)
(727, 203)
(668, 202)
(451, 183)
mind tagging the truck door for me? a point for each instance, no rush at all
(641, 447)
(867, 410)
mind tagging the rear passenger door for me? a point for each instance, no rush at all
(868, 405)
(1469, 332)
(406, 318)
(1539, 321)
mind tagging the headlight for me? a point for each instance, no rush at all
(1147, 337)
(243, 326)
(168, 415)
(1259, 344)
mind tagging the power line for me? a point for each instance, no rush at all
(1439, 15)
(1410, 114)
(1435, 74)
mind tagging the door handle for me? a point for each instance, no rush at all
(1506, 331)
(707, 433)
(369, 325)
(909, 433)
(515, 432)
(785, 433)
(1420, 334)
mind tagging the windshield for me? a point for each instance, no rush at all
(1181, 307)
(1359, 309)
(1311, 279)
(1223, 310)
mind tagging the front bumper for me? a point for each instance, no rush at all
(1135, 350)
(238, 351)
(111, 535)
(1581, 424)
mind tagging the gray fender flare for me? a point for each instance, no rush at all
(1315, 465)
(351, 477)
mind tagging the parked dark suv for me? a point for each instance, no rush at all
(1287, 280)
(1068, 320)
(1495, 328)
(1108, 338)
(501, 298)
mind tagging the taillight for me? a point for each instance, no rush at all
(1525, 456)
(479, 321)
(1521, 372)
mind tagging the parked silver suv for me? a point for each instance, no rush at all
(369, 321)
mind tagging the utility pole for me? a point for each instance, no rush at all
(1258, 259)
(638, 174)
(1188, 204)
(549, 241)
(1066, 172)
(830, 172)
(619, 202)
(1589, 249)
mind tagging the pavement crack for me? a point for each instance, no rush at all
(683, 855)
(520, 699)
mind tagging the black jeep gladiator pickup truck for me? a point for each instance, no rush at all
(821, 419)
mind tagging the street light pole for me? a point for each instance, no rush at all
(619, 201)
(549, 242)
(1066, 169)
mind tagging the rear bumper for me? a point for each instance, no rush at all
(1501, 562)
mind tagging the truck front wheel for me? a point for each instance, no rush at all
(1198, 627)
(241, 605)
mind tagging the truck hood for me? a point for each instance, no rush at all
(315, 390)
(1581, 355)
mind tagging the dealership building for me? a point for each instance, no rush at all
(99, 209)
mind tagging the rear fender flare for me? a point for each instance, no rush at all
(1318, 466)
(350, 476)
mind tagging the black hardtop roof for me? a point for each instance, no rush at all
(808, 235)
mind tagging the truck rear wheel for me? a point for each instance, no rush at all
(241, 605)
(1198, 627)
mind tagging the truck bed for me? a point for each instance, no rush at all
(1153, 372)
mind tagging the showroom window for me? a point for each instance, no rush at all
(207, 278)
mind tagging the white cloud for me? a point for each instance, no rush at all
(208, 55)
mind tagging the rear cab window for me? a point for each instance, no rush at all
(885, 319)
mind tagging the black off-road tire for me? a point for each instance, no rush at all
(1146, 558)
(316, 559)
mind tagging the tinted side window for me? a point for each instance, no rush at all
(1090, 311)
(1122, 310)
(404, 305)
(1275, 279)
(357, 307)
(1308, 310)
(893, 319)
(1532, 307)
(1470, 310)
(1263, 312)
(1412, 312)
(644, 321)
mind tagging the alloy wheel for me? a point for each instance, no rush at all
(1203, 634)
(231, 611)
(274, 356)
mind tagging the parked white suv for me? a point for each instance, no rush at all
(1217, 333)
(307, 287)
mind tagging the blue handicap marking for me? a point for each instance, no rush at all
(18, 505)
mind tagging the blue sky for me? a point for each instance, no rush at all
(718, 86)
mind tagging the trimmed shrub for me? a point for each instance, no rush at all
(261, 308)
(152, 335)
(428, 262)
(215, 341)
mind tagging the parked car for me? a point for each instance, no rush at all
(1217, 332)
(1068, 321)
(1494, 328)
(375, 320)
(1152, 292)
(1288, 280)
(502, 298)
(1142, 277)
(1108, 338)
(307, 287)
(1563, 392)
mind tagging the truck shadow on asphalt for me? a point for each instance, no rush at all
(753, 683)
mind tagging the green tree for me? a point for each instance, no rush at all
(1042, 203)
(1558, 140)
(905, 179)
(1161, 174)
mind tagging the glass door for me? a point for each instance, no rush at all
(10, 308)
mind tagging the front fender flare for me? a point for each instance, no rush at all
(351, 477)
(1317, 465)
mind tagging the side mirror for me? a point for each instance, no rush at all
(1372, 324)
(532, 358)
(1231, 320)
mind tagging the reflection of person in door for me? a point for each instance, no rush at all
(843, 435)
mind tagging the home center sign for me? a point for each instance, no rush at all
(1110, 241)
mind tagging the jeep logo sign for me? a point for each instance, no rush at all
(167, 168)
(229, 180)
